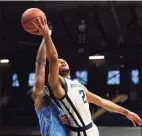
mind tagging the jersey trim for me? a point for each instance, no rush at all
(80, 129)
(78, 115)
(66, 90)
(70, 113)
(68, 126)
(71, 79)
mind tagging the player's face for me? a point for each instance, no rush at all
(63, 67)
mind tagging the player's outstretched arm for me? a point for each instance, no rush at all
(112, 107)
(40, 71)
(52, 56)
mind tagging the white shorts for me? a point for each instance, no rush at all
(90, 132)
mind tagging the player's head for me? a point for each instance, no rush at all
(64, 69)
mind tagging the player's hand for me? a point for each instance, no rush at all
(42, 27)
(65, 120)
(136, 120)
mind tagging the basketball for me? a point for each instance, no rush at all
(30, 16)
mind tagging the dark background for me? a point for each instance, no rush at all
(113, 29)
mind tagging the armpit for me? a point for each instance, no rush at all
(61, 81)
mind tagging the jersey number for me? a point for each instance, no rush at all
(81, 92)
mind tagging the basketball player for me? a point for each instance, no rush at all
(47, 111)
(72, 95)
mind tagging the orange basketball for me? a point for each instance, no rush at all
(29, 16)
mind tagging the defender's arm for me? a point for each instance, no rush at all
(40, 70)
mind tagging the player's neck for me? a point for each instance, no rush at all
(65, 73)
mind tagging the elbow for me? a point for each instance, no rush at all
(105, 104)
(39, 81)
(99, 102)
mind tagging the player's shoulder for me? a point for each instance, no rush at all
(73, 82)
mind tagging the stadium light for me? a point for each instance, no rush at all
(4, 61)
(96, 57)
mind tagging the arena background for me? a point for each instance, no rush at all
(80, 30)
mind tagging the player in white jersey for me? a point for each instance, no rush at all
(72, 95)
(75, 105)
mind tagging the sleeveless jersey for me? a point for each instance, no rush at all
(76, 107)
(50, 124)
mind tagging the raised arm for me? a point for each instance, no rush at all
(112, 107)
(38, 90)
(52, 57)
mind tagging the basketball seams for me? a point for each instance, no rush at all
(24, 23)
(32, 19)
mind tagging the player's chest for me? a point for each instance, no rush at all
(77, 95)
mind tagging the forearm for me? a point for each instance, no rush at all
(40, 66)
(112, 107)
(106, 104)
(52, 54)
(41, 54)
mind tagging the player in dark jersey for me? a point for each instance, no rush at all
(58, 79)
(48, 113)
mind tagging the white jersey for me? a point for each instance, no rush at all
(76, 107)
